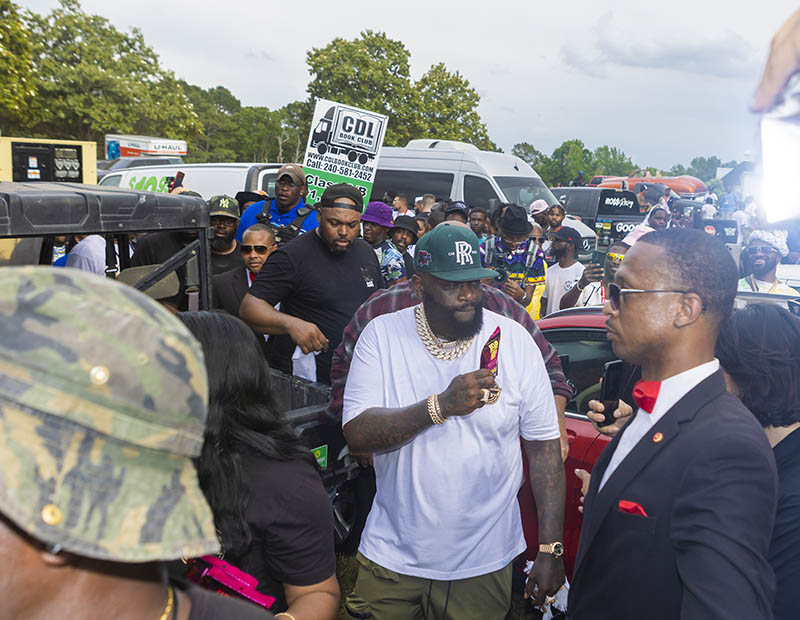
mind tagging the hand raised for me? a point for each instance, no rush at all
(462, 396)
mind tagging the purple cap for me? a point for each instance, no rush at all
(378, 213)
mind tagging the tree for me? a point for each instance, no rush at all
(677, 170)
(530, 155)
(16, 64)
(372, 72)
(219, 136)
(369, 72)
(445, 107)
(257, 128)
(91, 79)
(569, 159)
(609, 160)
(704, 168)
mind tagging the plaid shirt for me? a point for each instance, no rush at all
(402, 296)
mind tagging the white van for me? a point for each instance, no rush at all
(206, 179)
(460, 171)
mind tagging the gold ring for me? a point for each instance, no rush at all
(490, 395)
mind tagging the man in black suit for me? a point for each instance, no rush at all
(680, 508)
(258, 242)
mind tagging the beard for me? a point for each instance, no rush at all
(770, 263)
(220, 244)
(459, 329)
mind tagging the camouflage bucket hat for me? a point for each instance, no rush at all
(103, 397)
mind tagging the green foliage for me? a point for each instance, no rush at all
(570, 158)
(609, 160)
(446, 108)
(372, 72)
(16, 64)
(91, 79)
(704, 168)
(369, 72)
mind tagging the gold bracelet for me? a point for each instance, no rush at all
(434, 411)
(285, 613)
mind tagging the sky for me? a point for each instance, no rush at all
(663, 81)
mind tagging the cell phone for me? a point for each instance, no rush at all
(618, 380)
(177, 181)
(599, 257)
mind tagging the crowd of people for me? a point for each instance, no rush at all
(136, 433)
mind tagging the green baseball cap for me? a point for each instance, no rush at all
(452, 253)
(223, 205)
(103, 402)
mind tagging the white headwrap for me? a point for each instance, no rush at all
(776, 239)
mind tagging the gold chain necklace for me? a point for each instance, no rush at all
(168, 608)
(450, 350)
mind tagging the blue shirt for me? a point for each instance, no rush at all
(250, 217)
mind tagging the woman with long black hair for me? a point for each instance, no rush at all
(270, 508)
(759, 350)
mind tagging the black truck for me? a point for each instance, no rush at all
(40, 211)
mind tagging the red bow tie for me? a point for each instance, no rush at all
(252, 276)
(645, 394)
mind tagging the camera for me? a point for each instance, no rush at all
(501, 277)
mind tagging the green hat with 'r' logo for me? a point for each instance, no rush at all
(451, 252)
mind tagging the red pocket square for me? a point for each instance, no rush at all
(632, 508)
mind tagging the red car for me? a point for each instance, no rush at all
(579, 336)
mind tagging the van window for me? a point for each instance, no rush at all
(268, 179)
(524, 190)
(414, 184)
(578, 201)
(111, 180)
(478, 192)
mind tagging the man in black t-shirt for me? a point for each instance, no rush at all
(225, 254)
(320, 279)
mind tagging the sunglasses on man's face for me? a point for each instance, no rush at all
(615, 293)
(760, 249)
(258, 249)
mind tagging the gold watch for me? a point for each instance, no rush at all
(556, 549)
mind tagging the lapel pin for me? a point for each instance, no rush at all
(658, 437)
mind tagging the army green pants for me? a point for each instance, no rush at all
(382, 594)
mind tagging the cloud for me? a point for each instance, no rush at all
(259, 55)
(726, 55)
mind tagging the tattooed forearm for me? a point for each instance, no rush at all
(547, 484)
(380, 430)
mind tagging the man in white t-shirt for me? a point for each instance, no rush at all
(441, 393)
(592, 287)
(764, 251)
(562, 276)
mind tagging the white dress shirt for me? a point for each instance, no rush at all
(672, 390)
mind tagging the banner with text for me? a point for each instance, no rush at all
(344, 145)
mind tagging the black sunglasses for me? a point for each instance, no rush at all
(615, 293)
(258, 249)
(760, 249)
(539, 239)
